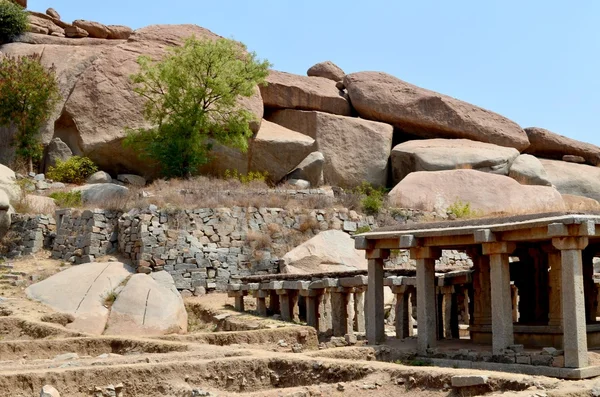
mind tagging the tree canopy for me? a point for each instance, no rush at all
(28, 94)
(192, 102)
(13, 20)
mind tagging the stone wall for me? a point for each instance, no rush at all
(29, 234)
(83, 236)
(208, 248)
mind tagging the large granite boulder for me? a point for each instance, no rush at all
(81, 291)
(485, 193)
(147, 307)
(450, 154)
(310, 169)
(355, 150)
(382, 97)
(94, 29)
(277, 150)
(575, 179)
(290, 91)
(119, 32)
(328, 251)
(528, 170)
(5, 214)
(102, 194)
(328, 70)
(550, 145)
(56, 150)
(8, 183)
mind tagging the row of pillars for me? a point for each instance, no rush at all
(493, 304)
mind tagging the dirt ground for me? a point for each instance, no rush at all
(226, 354)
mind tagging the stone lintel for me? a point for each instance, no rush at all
(425, 253)
(282, 292)
(361, 243)
(355, 281)
(296, 284)
(261, 294)
(484, 236)
(498, 248)
(399, 289)
(324, 283)
(234, 287)
(393, 281)
(250, 287)
(378, 254)
(585, 228)
(408, 241)
(570, 243)
(265, 285)
(275, 285)
(236, 294)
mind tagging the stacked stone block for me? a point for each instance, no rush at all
(29, 234)
(83, 237)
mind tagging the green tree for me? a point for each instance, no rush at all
(13, 20)
(191, 102)
(28, 94)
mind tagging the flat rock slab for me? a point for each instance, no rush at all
(80, 291)
(469, 380)
(147, 307)
(101, 193)
(551, 145)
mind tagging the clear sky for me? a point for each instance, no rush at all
(536, 62)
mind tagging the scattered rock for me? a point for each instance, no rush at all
(382, 97)
(52, 12)
(550, 145)
(573, 159)
(119, 32)
(102, 193)
(134, 180)
(66, 357)
(299, 184)
(450, 154)
(327, 70)
(58, 318)
(310, 170)
(528, 170)
(94, 29)
(99, 177)
(469, 380)
(49, 391)
(75, 32)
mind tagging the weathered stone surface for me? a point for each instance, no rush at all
(5, 213)
(286, 90)
(40, 204)
(528, 170)
(580, 203)
(469, 380)
(254, 104)
(8, 183)
(119, 32)
(573, 159)
(277, 150)
(134, 180)
(382, 97)
(56, 150)
(450, 154)
(309, 170)
(347, 162)
(329, 251)
(49, 391)
(328, 70)
(76, 32)
(550, 145)
(94, 29)
(99, 177)
(43, 26)
(102, 193)
(80, 291)
(576, 179)
(485, 193)
(53, 13)
(146, 307)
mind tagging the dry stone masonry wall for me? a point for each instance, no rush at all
(29, 234)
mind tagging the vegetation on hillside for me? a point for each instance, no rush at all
(191, 102)
(28, 94)
(13, 21)
(75, 170)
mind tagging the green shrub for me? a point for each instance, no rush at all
(461, 210)
(13, 21)
(74, 170)
(252, 176)
(363, 229)
(67, 199)
(371, 198)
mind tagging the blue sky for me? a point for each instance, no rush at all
(535, 62)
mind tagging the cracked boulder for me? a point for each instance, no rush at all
(149, 305)
(82, 291)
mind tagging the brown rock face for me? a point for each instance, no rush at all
(575, 179)
(290, 91)
(43, 26)
(75, 32)
(382, 97)
(94, 29)
(485, 193)
(22, 3)
(328, 70)
(548, 144)
(119, 32)
(53, 13)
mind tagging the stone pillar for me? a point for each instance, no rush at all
(554, 289)
(402, 311)
(284, 305)
(273, 302)
(573, 300)
(375, 309)
(447, 293)
(239, 302)
(502, 324)
(312, 307)
(351, 314)
(426, 296)
(294, 307)
(261, 303)
(514, 295)
(339, 308)
(325, 320)
(359, 310)
(482, 298)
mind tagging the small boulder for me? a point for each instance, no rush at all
(328, 70)
(56, 150)
(299, 184)
(119, 32)
(99, 177)
(52, 12)
(146, 307)
(528, 170)
(573, 159)
(102, 193)
(40, 204)
(310, 169)
(134, 180)
(94, 29)
(8, 183)
(49, 391)
(469, 380)
(551, 145)
(76, 32)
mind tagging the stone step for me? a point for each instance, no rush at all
(10, 276)
(4, 266)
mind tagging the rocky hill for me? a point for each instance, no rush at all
(327, 127)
